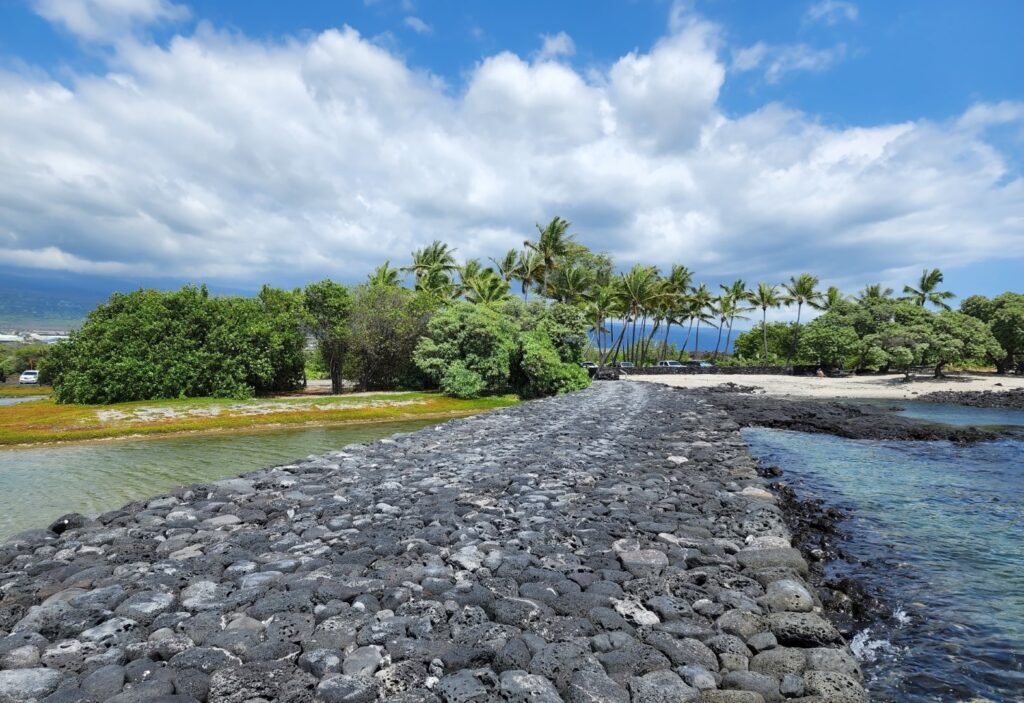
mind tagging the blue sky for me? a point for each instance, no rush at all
(152, 142)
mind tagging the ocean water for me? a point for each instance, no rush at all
(39, 484)
(937, 531)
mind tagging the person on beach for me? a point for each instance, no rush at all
(820, 373)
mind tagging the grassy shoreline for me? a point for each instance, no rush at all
(11, 391)
(44, 422)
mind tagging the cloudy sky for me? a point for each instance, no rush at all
(153, 141)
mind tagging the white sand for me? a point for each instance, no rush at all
(889, 387)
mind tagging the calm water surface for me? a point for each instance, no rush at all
(938, 530)
(40, 484)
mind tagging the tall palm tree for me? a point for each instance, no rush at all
(598, 308)
(677, 285)
(384, 276)
(926, 290)
(470, 270)
(633, 290)
(435, 257)
(486, 288)
(529, 270)
(552, 244)
(830, 299)
(874, 292)
(765, 296)
(573, 284)
(737, 292)
(800, 290)
(701, 302)
(507, 265)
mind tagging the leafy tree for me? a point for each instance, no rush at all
(384, 325)
(476, 338)
(327, 307)
(780, 338)
(926, 291)
(1004, 316)
(151, 344)
(23, 357)
(956, 337)
(828, 341)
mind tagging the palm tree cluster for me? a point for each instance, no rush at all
(644, 304)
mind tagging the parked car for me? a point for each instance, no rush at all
(588, 364)
(670, 363)
(623, 365)
(696, 364)
(29, 377)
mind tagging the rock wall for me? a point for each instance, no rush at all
(611, 545)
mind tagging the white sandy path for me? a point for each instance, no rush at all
(888, 387)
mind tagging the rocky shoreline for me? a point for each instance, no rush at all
(612, 545)
(1010, 400)
(849, 420)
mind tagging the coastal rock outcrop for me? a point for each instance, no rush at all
(612, 545)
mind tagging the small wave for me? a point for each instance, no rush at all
(866, 649)
(901, 616)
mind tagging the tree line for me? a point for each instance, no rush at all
(522, 322)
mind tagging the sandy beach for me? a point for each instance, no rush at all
(890, 386)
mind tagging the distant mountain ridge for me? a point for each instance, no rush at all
(22, 309)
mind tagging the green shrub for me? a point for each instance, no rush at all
(540, 370)
(460, 382)
(151, 344)
(476, 337)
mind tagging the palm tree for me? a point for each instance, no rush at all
(926, 290)
(573, 284)
(435, 257)
(438, 283)
(486, 288)
(384, 276)
(764, 297)
(677, 285)
(529, 270)
(633, 290)
(598, 309)
(507, 265)
(701, 302)
(830, 300)
(874, 292)
(471, 269)
(800, 290)
(552, 244)
(737, 292)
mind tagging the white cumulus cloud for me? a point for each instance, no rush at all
(831, 12)
(239, 160)
(100, 20)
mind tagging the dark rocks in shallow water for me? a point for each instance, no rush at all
(850, 420)
(612, 545)
(1010, 400)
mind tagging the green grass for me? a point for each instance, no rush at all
(11, 391)
(44, 421)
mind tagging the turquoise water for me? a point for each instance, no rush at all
(937, 530)
(40, 484)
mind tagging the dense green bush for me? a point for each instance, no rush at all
(541, 372)
(530, 349)
(1004, 316)
(384, 325)
(460, 382)
(477, 337)
(152, 344)
(749, 345)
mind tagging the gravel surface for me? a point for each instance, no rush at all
(612, 545)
